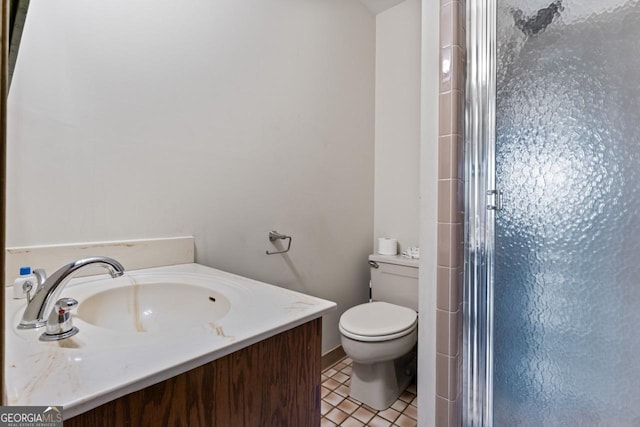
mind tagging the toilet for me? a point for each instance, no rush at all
(380, 336)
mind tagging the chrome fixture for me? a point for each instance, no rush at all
(494, 200)
(273, 236)
(45, 304)
(59, 324)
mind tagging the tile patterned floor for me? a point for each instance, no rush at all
(338, 409)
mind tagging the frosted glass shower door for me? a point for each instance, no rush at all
(566, 321)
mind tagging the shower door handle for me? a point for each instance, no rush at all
(494, 200)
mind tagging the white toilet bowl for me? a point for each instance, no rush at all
(380, 339)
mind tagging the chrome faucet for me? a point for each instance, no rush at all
(41, 306)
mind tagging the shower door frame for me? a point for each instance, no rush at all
(480, 206)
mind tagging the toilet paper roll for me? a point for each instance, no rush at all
(387, 246)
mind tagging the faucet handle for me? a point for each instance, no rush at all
(60, 323)
(66, 304)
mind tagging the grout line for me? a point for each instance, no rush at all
(342, 410)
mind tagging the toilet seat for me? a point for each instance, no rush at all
(377, 321)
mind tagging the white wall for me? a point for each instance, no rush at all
(406, 159)
(220, 119)
(397, 124)
(428, 213)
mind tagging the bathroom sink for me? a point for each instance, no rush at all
(158, 307)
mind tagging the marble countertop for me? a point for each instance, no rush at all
(100, 364)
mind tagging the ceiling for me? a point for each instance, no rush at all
(377, 6)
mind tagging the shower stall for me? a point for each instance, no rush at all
(552, 226)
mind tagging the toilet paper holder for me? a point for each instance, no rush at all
(273, 236)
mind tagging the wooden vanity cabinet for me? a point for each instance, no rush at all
(275, 382)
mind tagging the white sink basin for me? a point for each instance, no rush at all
(143, 328)
(154, 308)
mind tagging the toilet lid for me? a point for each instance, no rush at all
(377, 319)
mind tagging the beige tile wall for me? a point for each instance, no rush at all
(450, 214)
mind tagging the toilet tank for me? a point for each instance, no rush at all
(394, 279)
